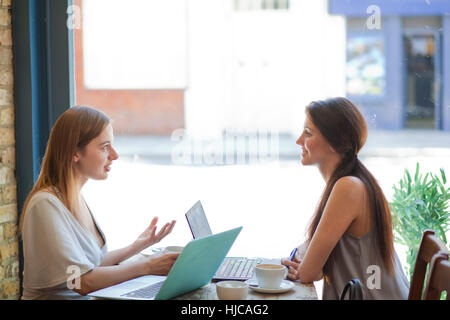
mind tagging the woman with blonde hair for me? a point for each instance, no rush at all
(61, 239)
(350, 234)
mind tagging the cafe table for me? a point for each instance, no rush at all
(300, 291)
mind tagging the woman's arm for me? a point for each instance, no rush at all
(301, 251)
(343, 207)
(105, 276)
(110, 273)
(299, 256)
(117, 256)
(146, 239)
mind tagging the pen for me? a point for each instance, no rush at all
(292, 255)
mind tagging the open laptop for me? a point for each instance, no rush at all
(232, 268)
(194, 268)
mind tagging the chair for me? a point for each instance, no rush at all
(429, 246)
(438, 277)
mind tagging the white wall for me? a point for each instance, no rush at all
(134, 44)
(209, 66)
(256, 70)
(242, 70)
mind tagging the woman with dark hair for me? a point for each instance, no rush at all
(65, 251)
(350, 234)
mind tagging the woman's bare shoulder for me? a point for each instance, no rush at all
(350, 184)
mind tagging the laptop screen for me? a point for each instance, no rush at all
(197, 221)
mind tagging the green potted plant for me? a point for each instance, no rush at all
(419, 204)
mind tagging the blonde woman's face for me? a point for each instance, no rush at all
(94, 161)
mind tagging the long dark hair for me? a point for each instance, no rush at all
(345, 129)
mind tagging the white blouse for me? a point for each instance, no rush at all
(56, 247)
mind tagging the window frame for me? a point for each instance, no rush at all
(43, 85)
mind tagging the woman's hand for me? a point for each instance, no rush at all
(150, 237)
(292, 268)
(295, 262)
(160, 264)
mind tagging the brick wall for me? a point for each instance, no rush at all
(9, 246)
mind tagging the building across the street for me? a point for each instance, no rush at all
(398, 60)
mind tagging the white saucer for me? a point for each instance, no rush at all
(151, 251)
(284, 287)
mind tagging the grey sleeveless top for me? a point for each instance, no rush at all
(357, 257)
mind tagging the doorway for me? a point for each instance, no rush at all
(422, 61)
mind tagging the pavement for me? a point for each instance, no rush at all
(402, 143)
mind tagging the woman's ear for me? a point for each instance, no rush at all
(331, 149)
(76, 156)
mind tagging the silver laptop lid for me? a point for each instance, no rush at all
(197, 221)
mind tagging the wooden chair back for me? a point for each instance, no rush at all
(438, 277)
(429, 246)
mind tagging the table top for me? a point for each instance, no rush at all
(300, 291)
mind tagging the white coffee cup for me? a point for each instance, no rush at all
(231, 290)
(270, 276)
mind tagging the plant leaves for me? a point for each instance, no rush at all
(444, 179)
(417, 206)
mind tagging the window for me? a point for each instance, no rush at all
(365, 67)
(251, 5)
(200, 89)
(213, 132)
(228, 73)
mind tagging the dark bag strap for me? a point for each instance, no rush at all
(355, 290)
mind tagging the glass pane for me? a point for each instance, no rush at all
(207, 101)
(420, 55)
(186, 115)
(365, 67)
(245, 5)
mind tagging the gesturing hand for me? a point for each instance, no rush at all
(150, 237)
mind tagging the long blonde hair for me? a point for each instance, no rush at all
(72, 131)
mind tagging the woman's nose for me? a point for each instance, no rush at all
(299, 141)
(113, 154)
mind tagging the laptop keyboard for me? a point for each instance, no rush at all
(236, 269)
(148, 292)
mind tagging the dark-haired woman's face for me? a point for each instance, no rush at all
(315, 148)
